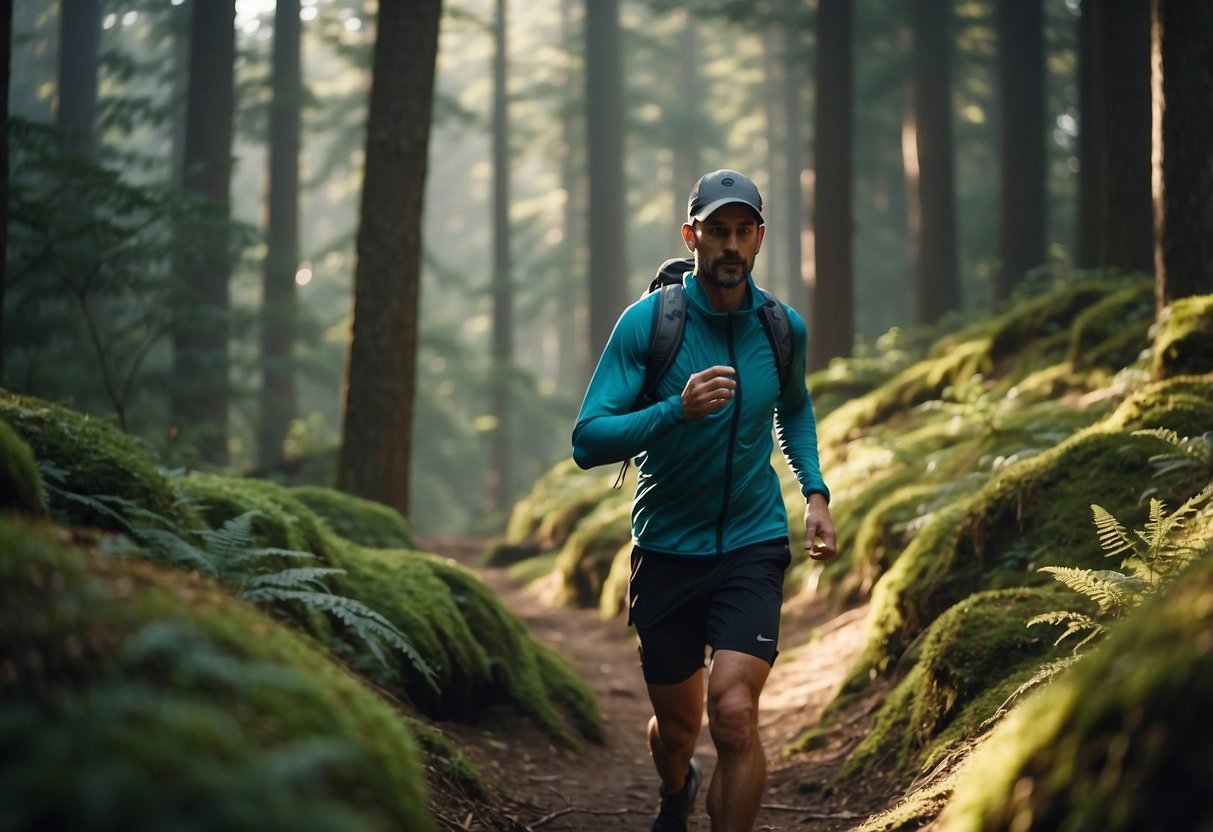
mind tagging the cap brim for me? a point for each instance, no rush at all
(707, 210)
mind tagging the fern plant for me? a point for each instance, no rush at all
(1154, 555)
(230, 555)
(1188, 459)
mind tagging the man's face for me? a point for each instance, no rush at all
(725, 245)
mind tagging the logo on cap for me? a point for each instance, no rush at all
(727, 181)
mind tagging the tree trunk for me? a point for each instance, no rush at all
(79, 38)
(1181, 79)
(1092, 98)
(200, 332)
(604, 141)
(499, 480)
(832, 317)
(937, 283)
(381, 373)
(1126, 236)
(279, 314)
(570, 309)
(687, 130)
(1022, 130)
(795, 160)
(6, 54)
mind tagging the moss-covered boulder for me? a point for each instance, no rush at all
(135, 696)
(1114, 330)
(21, 488)
(479, 652)
(474, 652)
(92, 470)
(1184, 344)
(564, 496)
(968, 662)
(1120, 743)
(365, 522)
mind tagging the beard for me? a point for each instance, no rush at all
(711, 272)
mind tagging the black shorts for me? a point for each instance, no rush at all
(681, 605)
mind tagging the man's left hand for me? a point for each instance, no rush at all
(820, 540)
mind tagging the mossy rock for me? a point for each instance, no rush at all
(480, 653)
(142, 697)
(282, 520)
(1119, 743)
(980, 645)
(559, 501)
(1184, 344)
(365, 522)
(21, 488)
(1183, 404)
(94, 460)
(585, 561)
(1115, 330)
(1035, 513)
(614, 598)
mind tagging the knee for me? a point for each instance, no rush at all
(676, 731)
(732, 718)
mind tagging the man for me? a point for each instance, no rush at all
(709, 526)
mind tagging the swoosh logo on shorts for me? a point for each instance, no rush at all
(761, 638)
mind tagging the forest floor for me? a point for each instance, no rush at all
(613, 786)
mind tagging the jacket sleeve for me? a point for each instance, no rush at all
(795, 424)
(607, 428)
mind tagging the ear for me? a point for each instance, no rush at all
(688, 236)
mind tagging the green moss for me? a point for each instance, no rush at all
(480, 652)
(1114, 330)
(613, 600)
(1184, 344)
(88, 457)
(137, 696)
(21, 488)
(282, 519)
(1034, 513)
(1183, 404)
(966, 652)
(365, 522)
(560, 498)
(1118, 743)
(585, 561)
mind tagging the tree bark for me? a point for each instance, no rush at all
(604, 140)
(1181, 80)
(381, 373)
(279, 313)
(79, 39)
(1126, 238)
(937, 282)
(499, 480)
(199, 403)
(832, 317)
(6, 63)
(795, 160)
(571, 310)
(1022, 130)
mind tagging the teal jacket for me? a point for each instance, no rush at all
(704, 487)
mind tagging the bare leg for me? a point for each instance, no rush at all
(674, 728)
(734, 685)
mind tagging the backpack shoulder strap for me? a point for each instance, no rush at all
(665, 337)
(778, 328)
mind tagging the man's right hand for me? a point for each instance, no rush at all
(708, 391)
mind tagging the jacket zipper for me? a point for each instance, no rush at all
(728, 461)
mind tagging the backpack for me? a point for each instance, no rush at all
(669, 320)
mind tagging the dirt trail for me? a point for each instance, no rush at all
(614, 786)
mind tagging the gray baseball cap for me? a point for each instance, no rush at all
(720, 187)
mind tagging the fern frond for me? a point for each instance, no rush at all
(235, 535)
(1114, 592)
(367, 624)
(1113, 536)
(1044, 674)
(1075, 623)
(311, 576)
(176, 550)
(1165, 434)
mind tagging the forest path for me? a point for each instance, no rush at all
(613, 786)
